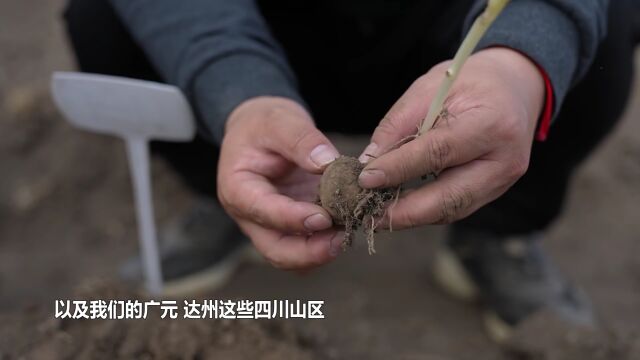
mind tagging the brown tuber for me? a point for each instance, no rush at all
(348, 203)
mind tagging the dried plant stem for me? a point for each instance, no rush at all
(479, 28)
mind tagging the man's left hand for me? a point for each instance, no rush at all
(480, 148)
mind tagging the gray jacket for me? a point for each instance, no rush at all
(220, 52)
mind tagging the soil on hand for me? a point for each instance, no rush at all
(348, 203)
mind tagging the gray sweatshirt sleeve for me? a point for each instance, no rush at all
(196, 44)
(561, 36)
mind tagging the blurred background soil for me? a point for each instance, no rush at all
(66, 217)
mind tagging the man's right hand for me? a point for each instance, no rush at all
(268, 175)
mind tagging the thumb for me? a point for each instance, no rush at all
(295, 137)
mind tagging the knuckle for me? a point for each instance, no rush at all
(404, 172)
(425, 78)
(501, 126)
(438, 154)
(507, 128)
(432, 77)
(517, 168)
(454, 204)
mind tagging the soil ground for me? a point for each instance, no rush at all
(66, 218)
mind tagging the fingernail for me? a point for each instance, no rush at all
(317, 222)
(372, 178)
(336, 244)
(369, 150)
(323, 155)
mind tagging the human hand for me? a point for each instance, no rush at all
(479, 149)
(270, 159)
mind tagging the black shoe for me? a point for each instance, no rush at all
(199, 251)
(512, 276)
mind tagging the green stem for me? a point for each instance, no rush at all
(479, 28)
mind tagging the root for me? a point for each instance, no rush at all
(371, 239)
(360, 209)
(370, 206)
(349, 234)
(350, 226)
(393, 205)
(349, 204)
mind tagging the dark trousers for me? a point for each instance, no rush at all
(352, 70)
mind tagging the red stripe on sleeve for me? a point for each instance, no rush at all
(547, 112)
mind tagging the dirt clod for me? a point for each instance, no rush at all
(348, 203)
